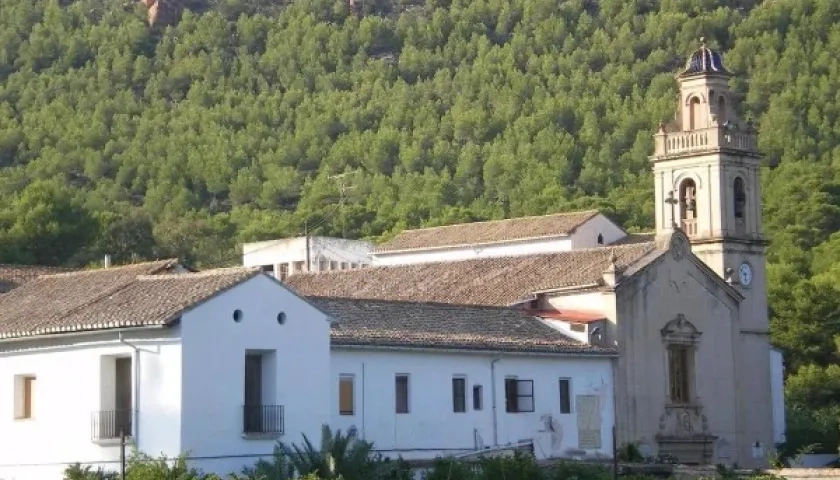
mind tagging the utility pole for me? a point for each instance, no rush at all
(343, 188)
(306, 234)
(122, 452)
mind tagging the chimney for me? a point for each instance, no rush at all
(612, 274)
(107, 261)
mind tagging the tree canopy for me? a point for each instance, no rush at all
(230, 125)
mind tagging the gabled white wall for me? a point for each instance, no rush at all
(214, 348)
(585, 302)
(68, 392)
(432, 428)
(586, 235)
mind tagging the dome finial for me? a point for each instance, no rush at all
(702, 41)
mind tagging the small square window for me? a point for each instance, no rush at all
(478, 397)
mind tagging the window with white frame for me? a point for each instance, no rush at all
(401, 393)
(519, 395)
(565, 395)
(478, 397)
(459, 394)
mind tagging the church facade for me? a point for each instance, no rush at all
(685, 306)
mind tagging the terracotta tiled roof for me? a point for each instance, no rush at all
(430, 325)
(133, 295)
(484, 281)
(12, 276)
(493, 231)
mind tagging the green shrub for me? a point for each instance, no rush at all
(630, 453)
(518, 467)
(77, 472)
(572, 470)
(143, 467)
(338, 456)
(452, 469)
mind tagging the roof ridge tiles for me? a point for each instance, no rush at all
(114, 269)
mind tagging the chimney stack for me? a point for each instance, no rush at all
(107, 261)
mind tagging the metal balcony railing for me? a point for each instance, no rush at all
(111, 424)
(262, 419)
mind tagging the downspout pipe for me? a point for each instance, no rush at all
(135, 394)
(493, 397)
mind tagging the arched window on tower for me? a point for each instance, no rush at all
(688, 207)
(721, 110)
(694, 113)
(740, 204)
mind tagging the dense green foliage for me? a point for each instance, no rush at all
(228, 127)
(345, 457)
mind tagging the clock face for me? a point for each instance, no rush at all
(745, 274)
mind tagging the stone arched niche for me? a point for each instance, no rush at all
(680, 331)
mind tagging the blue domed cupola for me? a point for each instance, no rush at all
(704, 61)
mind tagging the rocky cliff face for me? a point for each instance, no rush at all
(163, 12)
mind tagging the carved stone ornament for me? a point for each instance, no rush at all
(683, 421)
(680, 331)
(679, 245)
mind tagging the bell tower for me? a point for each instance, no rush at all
(706, 168)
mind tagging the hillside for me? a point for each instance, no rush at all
(230, 126)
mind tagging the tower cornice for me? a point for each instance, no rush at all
(714, 139)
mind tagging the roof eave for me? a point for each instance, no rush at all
(480, 244)
(384, 346)
(82, 332)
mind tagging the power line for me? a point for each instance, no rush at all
(343, 188)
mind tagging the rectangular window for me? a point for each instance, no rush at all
(565, 396)
(24, 396)
(284, 271)
(401, 385)
(298, 266)
(333, 265)
(459, 394)
(678, 373)
(477, 397)
(345, 395)
(519, 395)
(323, 265)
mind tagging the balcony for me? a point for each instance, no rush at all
(109, 425)
(704, 139)
(689, 226)
(262, 420)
